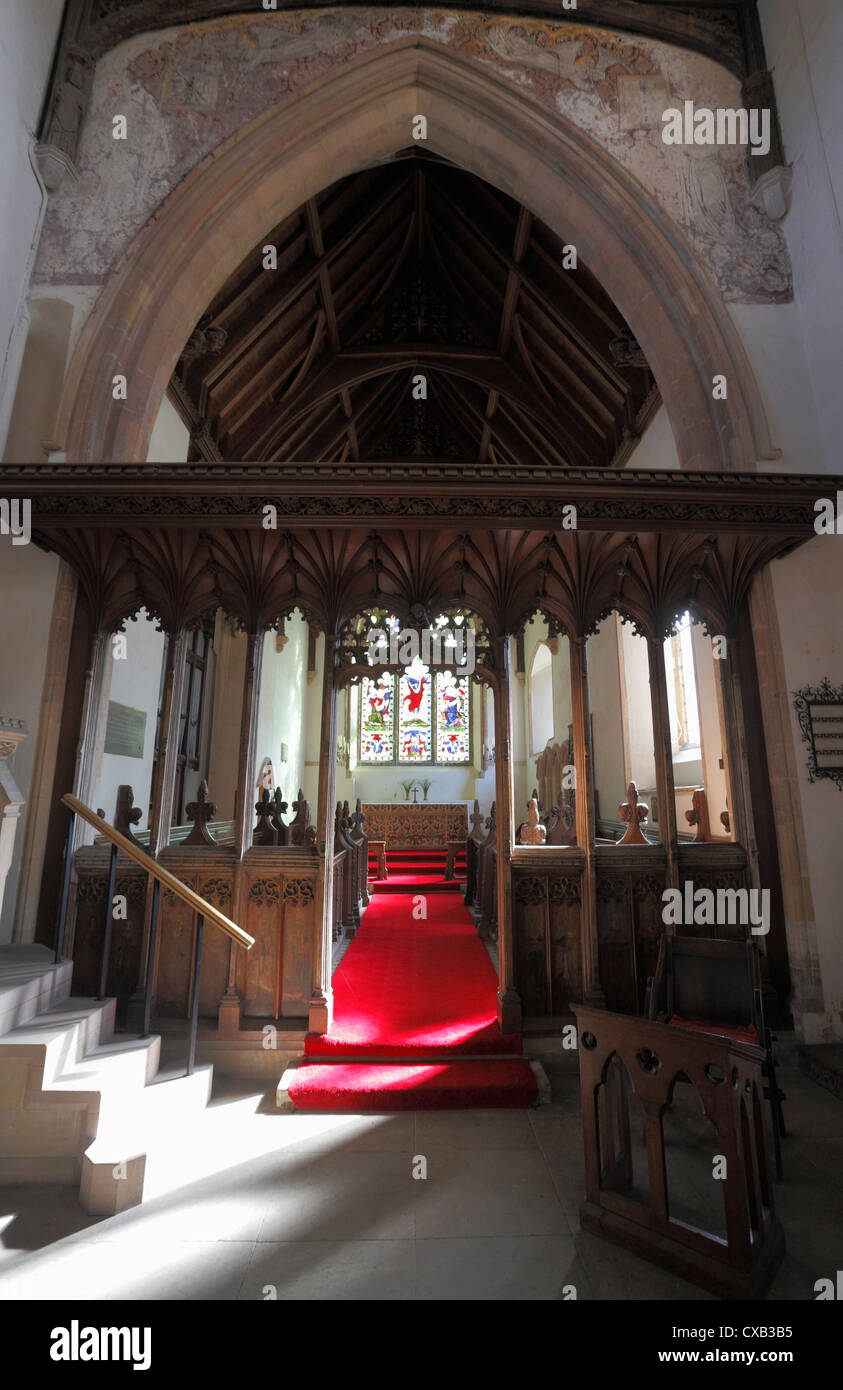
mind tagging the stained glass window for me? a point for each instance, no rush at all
(453, 743)
(377, 720)
(414, 708)
(419, 716)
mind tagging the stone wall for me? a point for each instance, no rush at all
(185, 90)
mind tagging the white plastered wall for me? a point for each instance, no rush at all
(28, 35)
(170, 436)
(27, 590)
(134, 681)
(657, 448)
(804, 43)
(281, 710)
(807, 586)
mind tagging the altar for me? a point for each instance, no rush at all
(416, 824)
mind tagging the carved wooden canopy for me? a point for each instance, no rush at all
(413, 269)
(260, 541)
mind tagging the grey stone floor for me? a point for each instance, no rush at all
(254, 1203)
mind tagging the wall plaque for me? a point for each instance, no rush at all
(819, 709)
(125, 730)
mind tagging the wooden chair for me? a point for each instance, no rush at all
(622, 1056)
(711, 986)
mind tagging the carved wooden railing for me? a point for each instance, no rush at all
(699, 817)
(621, 1057)
(270, 889)
(339, 912)
(271, 828)
(351, 859)
(344, 861)
(559, 824)
(476, 836)
(360, 840)
(487, 879)
(160, 876)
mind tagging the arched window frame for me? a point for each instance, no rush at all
(385, 687)
(535, 746)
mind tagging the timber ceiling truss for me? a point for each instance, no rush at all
(414, 269)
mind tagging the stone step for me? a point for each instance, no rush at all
(823, 1063)
(30, 981)
(81, 1104)
(139, 1141)
(124, 1064)
(57, 1039)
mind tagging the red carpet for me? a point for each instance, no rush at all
(493, 1085)
(401, 882)
(421, 991)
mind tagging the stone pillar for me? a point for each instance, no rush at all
(585, 822)
(509, 1003)
(807, 1000)
(321, 999)
(663, 750)
(42, 779)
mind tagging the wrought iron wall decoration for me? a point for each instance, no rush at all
(819, 709)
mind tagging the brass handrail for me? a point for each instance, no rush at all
(175, 885)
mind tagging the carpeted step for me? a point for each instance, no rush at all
(420, 865)
(490, 1043)
(483, 1085)
(404, 883)
(415, 1017)
(407, 984)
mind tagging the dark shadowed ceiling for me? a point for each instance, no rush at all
(413, 268)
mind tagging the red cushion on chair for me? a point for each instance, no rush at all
(739, 1032)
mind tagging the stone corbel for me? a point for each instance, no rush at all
(771, 193)
(773, 177)
(66, 105)
(55, 167)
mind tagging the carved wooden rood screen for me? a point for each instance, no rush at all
(577, 919)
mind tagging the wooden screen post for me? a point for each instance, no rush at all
(164, 774)
(86, 754)
(248, 743)
(585, 821)
(161, 807)
(231, 1004)
(737, 768)
(663, 750)
(321, 999)
(509, 1003)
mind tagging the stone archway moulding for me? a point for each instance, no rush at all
(343, 123)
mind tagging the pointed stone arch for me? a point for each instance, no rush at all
(345, 122)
